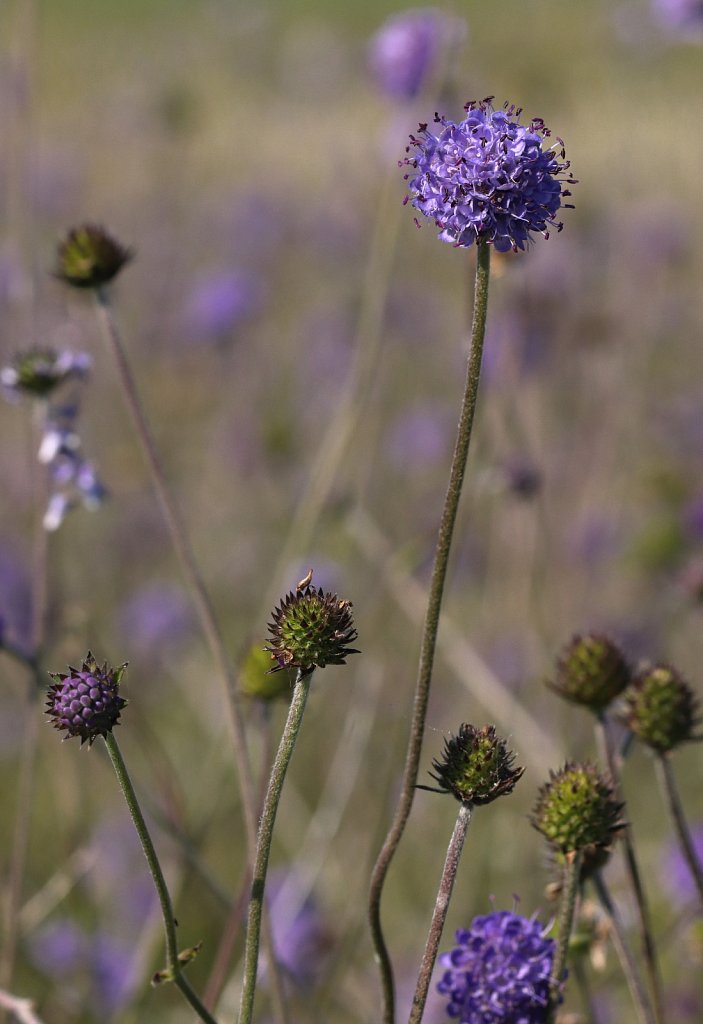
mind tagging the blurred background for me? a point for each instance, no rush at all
(300, 348)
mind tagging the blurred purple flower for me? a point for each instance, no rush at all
(155, 619)
(682, 17)
(408, 47)
(114, 973)
(692, 518)
(300, 935)
(15, 595)
(418, 438)
(676, 872)
(59, 947)
(219, 304)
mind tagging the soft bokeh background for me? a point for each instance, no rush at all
(247, 154)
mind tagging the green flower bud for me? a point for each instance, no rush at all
(89, 257)
(591, 670)
(259, 683)
(576, 809)
(661, 708)
(476, 767)
(311, 629)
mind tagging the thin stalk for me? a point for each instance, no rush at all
(203, 606)
(429, 635)
(172, 961)
(439, 916)
(645, 1011)
(263, 846)
(665, 772)
(567, 906)
(635, 879)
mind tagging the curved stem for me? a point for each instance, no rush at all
(633, 873)
(439, 916)
(203, 605)
(668, 782)
(627, 961)
(173, 963)
(572, 874)
(429, 636)
(263, 848)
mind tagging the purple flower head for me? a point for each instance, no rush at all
(488, 178)
(86, 702)
(676, 872)
(682, 17)
(407, 48)
(219, 304)
(499, 971)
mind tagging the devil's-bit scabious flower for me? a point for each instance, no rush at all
(311, 629)
(499, 971)
(407, 49)
(661, 708)
(86, 702)
(591, 670)
(488, 178)
(577, 809)
(88, 257)
(38, 372)
(476, 767)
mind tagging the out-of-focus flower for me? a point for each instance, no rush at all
(88, 257)
(156, 619)
(476, 766)
(257, 682)
(59, 948)
(487, 178)
(86, 702)
(301, 936)
(591, 670)
(114, 973)
(221, 303)
(499, 971)
(676, 874)
(661, 708)
(417, 438)
(38, 372)
(408, 48)
(681, 17)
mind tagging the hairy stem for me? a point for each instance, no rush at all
(439, 916)
(429, 635)
(567, 906)
(265, 838)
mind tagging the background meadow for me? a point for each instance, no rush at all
(250, 158)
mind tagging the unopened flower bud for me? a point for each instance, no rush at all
(477, 767)
(661, 708)
(577, 809)
(591, 670)
(86, 702)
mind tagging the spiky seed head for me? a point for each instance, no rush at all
(311, 629)
(258, 683)
(476, 766)
(89, 257)
(661, 708)
(86, 701)
(591, 670)
(577, 809)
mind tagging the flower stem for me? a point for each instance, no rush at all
(572, 875)
(439, 916)
(627, 961)
(265, 838)
(203, 606)
(633, 873)
(668, 782)
(429, 635)
(173, 963)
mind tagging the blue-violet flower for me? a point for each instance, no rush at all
(499, 971)
(407, 47)
(488, 177)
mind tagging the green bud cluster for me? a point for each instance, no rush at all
(661, 708)
(577, 809)
(476, 766)
(591, 670)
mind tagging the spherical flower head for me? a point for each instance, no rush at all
(661, 708)
(258, 683)
(38, 372)
(86, 702)
(591, 670)
(311, 629)
(577, 809)
(498, 973)
(476, 767)
(88, 257)
(487, 178)
(406, 50)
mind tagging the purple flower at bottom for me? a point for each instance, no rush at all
(499, 971)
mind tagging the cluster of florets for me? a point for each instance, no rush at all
(311, 629)
(488, 178)
(86, 702)
(476, 767)
(499, 971)
(577, 809)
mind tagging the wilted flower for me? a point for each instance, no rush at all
(499, 971)
(477, 767)
(86, 702)
(487, 179)
(591, 670)
(311, 629)
(407, 48)
(577, 809)
(88, 257)
(661, 708)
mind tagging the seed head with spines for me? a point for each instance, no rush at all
(89, 257)
(577, 809)
(86, 702)
(311, 629)
(661, 708)
(591, 670)
(477, 767)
